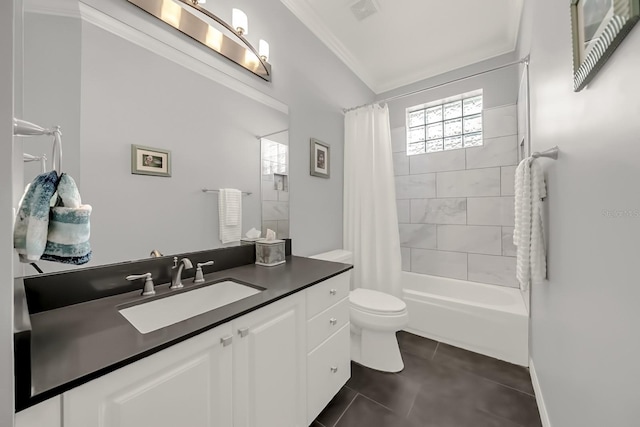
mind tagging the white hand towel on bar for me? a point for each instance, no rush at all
(528, 233)
(230, 214)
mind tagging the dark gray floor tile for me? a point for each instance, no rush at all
(415, 367)
(364, 412)
(396, 392)
(330, 415)
(451, 397)
(493, 369)
(416, 345)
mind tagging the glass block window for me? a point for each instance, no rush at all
(445, 125)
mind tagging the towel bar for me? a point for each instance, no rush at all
(206, 190)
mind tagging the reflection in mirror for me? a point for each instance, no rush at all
(108, 93)
(275, 184)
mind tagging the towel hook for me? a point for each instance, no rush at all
(551, 153)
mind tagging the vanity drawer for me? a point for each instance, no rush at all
(328, 369)
(327, 293)
(325, 324)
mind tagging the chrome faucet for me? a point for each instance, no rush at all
(176, 271)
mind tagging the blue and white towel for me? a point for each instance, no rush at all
(69, 227)
(32, 222)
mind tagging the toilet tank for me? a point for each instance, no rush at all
(338, 255)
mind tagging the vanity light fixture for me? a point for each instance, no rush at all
(240, 22)
(190, 18)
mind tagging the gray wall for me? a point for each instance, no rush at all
(52, 95)
(462, 233)
(6, 213)
(456, 208)
(584, 331)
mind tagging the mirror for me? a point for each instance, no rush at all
(275, 184)
(108, 93)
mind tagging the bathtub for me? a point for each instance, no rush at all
(486, 319)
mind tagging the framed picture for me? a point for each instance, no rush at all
(598, 27)
(320, 161)
(150, 161)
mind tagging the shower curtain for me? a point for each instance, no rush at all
(370, 215)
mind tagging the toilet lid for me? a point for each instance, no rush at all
(376, 302)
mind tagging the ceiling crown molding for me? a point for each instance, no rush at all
(309, 18)
(68, 8)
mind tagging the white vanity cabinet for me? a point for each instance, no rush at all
(328, 341)
(247, 373)
(187, 384)
(277, 366)
(269, 365)
(45, 414)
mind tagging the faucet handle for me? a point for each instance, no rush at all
(204, 264)
(148, 283)
(199, 275)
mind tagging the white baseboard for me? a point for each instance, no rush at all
(544, 416)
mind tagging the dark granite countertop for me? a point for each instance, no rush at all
(74, 344)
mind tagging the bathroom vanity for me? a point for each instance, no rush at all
(275, 358)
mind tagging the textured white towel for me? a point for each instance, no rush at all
(230, 214)
(528, 234)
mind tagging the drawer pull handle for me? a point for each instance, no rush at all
(226, 340)
(334, 369)
(333, 291)
(333, 321)
(243, 332)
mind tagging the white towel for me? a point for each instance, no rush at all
(528, 233)
(230, 214)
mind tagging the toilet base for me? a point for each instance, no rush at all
(376, 350)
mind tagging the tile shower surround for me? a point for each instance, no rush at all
(456, 208)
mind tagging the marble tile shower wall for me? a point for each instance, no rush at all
(456, 208)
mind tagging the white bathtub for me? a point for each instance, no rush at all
(486, 319)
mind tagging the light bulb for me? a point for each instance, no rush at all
(263, 49)
(240, 22)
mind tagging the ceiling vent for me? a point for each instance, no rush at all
(363, 9)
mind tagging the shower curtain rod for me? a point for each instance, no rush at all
(524, 61)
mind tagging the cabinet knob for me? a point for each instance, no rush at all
(333, 321)
(333, 291)
(226, 340)
(334, 369)
(243, 332)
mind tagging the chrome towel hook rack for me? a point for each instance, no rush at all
(551, 153)
(25, 128)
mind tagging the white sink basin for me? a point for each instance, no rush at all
(153, 315)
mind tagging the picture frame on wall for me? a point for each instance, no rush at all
(320, 159)
(150, 161)
(598, 28)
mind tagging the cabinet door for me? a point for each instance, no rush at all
(269, 365)
(45, 414)
(185, 385)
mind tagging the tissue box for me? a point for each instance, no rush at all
(269, 252)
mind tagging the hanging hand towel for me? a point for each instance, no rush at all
(528, 234)
(32, 221)
(537, 252)
(230, 214)
(69, 227)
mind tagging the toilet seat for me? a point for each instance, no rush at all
(374, 302)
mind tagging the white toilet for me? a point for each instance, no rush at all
(375, 319)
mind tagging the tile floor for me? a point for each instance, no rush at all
(440, 386)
